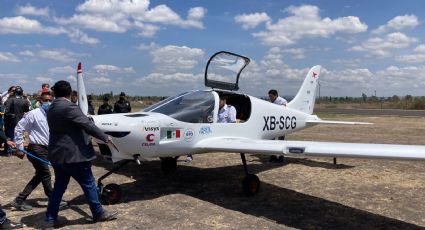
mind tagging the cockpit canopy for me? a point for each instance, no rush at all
(201, 106)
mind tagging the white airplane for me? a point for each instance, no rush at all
(187, 124)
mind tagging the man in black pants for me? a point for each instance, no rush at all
(35, 122)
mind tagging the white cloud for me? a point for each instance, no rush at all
(296, 53)
(305, 22)
(62, 69)
(119, 16)
(26, 53)
(8, 57)
(101, 80)
(250, 21)
(71, 78)
(172, 58)
(58, 55)
(417, 57)
(44, 79)
(104, 69)
(381, 47)
(31, 10)
(22, 25)
(144, 47)
(399, 23)
(77, 36)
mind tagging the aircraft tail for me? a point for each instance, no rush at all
(82, 95)
(306, 96)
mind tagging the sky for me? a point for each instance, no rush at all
(161, 48)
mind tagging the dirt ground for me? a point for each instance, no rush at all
(301, 193)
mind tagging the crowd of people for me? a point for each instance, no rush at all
(53, 129)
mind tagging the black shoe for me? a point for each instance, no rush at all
(59, 222)
(273, 158)
(21, 205)
(8, 224)
(279, 159)
(63, 204)
(106, 216)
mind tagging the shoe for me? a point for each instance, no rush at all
(8, 224)
(21, 205)
(63, 204)
(189, 159)
(279, 159)
(59, 222)
(106, 216)
(272, 159)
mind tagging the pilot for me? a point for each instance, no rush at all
(226, 113)
(276, 99)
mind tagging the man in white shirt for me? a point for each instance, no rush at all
(226, 113)
(276, 99)
(35, 122)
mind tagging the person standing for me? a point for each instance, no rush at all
(74, 97)
(35, 122)
(14, 110)
(70, 151)
(105, 108)
(5, 223)
(122, 105)
(276, 99)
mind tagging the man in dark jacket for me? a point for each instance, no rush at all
(14, 109)
(105, 108)
(70, 151)
(122, 105)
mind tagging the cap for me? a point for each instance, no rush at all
(122, 94)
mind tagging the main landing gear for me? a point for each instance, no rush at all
(111, 193)
(251, 183)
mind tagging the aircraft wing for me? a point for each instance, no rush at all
(313, 148)
(337, 122)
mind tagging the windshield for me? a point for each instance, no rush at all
(192, 107)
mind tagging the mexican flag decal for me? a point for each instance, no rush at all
(175, 134)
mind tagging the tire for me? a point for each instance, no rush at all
(250, 185)
(111, 194)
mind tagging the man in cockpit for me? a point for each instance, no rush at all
(226, 113)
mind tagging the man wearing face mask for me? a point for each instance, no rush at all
(35, 122)
(122, 105)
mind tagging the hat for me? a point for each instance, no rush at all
(122, 94)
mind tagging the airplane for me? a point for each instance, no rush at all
(187, 124)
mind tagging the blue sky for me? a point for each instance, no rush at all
(147, 47)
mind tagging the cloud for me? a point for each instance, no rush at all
(119, 16)
(144, 46)
(417, 57)
(398, 23)
(62, 69)
(61, 55)
(22, 25)
(296, 53)
(101, 80)
(77, 36)
(71, 78)
(8, 57)
(104, 69)
(381, 47)
(250, 21)
(26, 53)
(173, 58)
(31, 10)
(305, 22)
(44, 79)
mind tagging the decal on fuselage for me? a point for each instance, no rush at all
(188, 134)
(281, 123)
(151, 129)
(150, 140)
(205, 130)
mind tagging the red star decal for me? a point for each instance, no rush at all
(314, 75)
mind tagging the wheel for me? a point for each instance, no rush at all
(250, 185)
(111, 194)
(168, 165)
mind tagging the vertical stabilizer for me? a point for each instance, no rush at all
(306, 96)
(82, 96)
